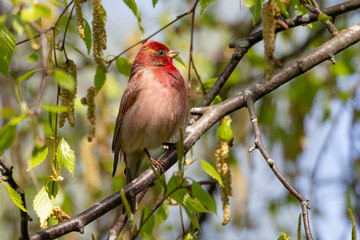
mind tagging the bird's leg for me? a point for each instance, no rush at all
(156, 163)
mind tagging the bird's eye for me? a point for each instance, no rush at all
(161, 52)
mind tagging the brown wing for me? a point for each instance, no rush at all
(128, 99)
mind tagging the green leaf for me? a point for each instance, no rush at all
(64, 80)
(52, 188)
(43, 10)
(224, 132)
(210, 170)
(154, 2)
(43, 205)
(133, 6)
(249, 3)
(283, 237)
(88, 38)
(145, 236)
(7, 48)
(323, 18)
(194, 204)
(203, 196)
(77, 50)
(179, 60)
(257, 11)
(39, 154)
(30, 14)
(28, 74)
(162, 214)
(194, 220)
(123, 66)
(174, 183)
(54, 108)
(353, 230)
(148, 226)
(100, 78)
(180, 150)
(126, 204)
(7, 136)
(189, 236)
(204, 4)
(66, 156)
(15, 197)
(283, 8)
(209, 83)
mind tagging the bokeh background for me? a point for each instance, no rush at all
(310, 126)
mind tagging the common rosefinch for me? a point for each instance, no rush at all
(152, 107)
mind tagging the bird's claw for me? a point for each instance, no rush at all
(160, 165)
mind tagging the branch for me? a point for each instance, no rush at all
(6, 172)
(242, 45)
(259, 145)
(317, 11)
(199, 127)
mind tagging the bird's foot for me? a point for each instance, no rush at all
(158, 164)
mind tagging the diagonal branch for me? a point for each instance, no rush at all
(259, 145)
(209, 117)
(242, 45)
(6, 172)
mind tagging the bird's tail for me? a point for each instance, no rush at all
(133, 163)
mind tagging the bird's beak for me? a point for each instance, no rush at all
(173, 53)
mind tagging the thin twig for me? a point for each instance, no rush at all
(316, 10)
(250, 100)
(6, 172)
(50, 28)
(146, 39)
(191, 60)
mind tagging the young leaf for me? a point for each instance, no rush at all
(204, 4)
(249, 3)
(283, 8)
(125, 203)
(257, 11)
(15, 197)
(323, 18)
(39, 154)
(210, 170)
(66, 156)
(154, 2)
(28, 74)
(180, 149)
(194, 205)
(194, 220)
(64, 80)
(203, 196)
(123, 66)
(87, 39)
(224, 132)
(283, 237)
(7, 136)
(100, 78)
(7, 48)
(132, 5)
(148, 226)
(54, 108)
(162, 214)
(43, 205)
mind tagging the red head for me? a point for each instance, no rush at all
(153, 54)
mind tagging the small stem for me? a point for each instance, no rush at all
(258, 143)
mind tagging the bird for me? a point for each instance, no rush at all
(153, 107)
